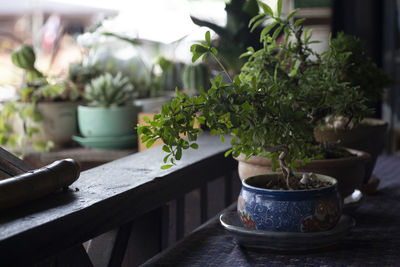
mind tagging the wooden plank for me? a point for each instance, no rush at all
(109, 248)
(165, 226)
(145, 239)
(104, 198)
(180, 217)
(203, 203)
(228, 188)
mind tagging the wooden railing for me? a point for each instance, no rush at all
(125, 208)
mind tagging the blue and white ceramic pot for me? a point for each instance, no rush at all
(288, 210)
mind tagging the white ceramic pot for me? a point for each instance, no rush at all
(58, 124)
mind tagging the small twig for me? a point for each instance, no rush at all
(348, 121)
(222, 67)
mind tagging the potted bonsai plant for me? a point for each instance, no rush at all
(108, 119)
(280, 97)
(359, 70)
(270, 110)
(43, 115)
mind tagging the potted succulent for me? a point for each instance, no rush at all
(270, 110)
(107, 120)
(43, 115)
(358, 70)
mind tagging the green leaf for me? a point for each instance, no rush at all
(255, 25)
(178, 154)
(196, 56)
(208, 38)
(266, 30)
(276, 33)
(292, 14)
(298, 22)
(139, 129)
(194, 146)
(227, 153)
(165, 148)
(145, 138)
(222, 138)
(255, 18)
(279, 8)
(150, 142)
(166, 158)
(167, 166)
(146, 119)
(267, 9)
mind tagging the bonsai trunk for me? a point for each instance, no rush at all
(287, 172)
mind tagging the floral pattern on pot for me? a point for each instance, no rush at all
(289, 211)
(247, 221)
(326, 214)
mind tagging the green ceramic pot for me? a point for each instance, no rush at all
(107, 122)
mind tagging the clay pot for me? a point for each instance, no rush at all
(368, 136)
(349, 171)
(288, 210)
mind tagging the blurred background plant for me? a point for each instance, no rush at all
(235, 37)
(359, 69)
(36, 88)
(107, 91)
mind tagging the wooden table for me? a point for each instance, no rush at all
(374, 241)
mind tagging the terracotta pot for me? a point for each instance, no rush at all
(349, 171)
(369, 136)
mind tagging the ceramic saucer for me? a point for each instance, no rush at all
(107, 143)
(352, 202)
(285, 241)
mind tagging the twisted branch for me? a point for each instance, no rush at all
(286, 170)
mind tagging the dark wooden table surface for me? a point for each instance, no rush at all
(374, 241)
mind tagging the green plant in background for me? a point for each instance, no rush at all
(36, 88)
(108, 91)
(235, 37)
(170, 76)
(104, 55)
(270, 109)
(358, 69)
(195, 77)
(24, 57)
(81, 75)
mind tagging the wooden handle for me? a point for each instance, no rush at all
(37, 183)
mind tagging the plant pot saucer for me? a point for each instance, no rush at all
(285, 241)
(106, 142)
(353, 201)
